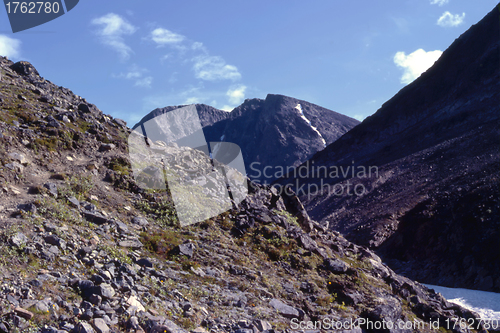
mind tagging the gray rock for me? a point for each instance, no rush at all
(105, 290)
(140, 221)
(100, 325)
(144, 262)
(55, 240)
(169, 327)
(335, 265)
(95, 299)
(133, 324)
(28, 208)
(87, 315)
(95, 217)
(185, 249)
(122, 227)
(52, 122)
(51, 329)
(23, 313)
(286, 310)
(133, 243)
(84, 108)
(389, 311)
(307, 242)
(52, 189)
(14, 166)
(106, 147)
(24, 68)
(120, 122)
(17, 157)
(74, 202)
(86, 287)
(42, 306)
(19, 239)
(262, 325)
(84, 327)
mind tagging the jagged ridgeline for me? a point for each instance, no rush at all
(86, 249)
(433, 207)
(275, 134)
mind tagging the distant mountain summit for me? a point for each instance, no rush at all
(433, 206)
(274, 134)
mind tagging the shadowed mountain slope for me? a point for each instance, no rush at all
(433, 208)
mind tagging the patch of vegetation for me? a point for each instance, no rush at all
(82, 125)
(187, 323)
(121, 165)
(116, 252)
(289, 217)
(26, 116)
(50, 208)
(161, 209)
(50, 143)
(326, 301)
(78, 186)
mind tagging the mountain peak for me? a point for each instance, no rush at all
(273, 133)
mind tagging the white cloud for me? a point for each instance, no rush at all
(450, 20)
(359, 117)
(415, 63)
(439, 2)
(192, 100)
(9, 47)
(236, 95)
(144, 82)
(112, 29)
(212, 68)
(138, 74)
(164, 37)
(199, 46)
(227, 108)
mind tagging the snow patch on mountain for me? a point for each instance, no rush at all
(299, 107)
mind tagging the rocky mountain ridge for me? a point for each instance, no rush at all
(277, 132)
(432, 208)
(85, 249)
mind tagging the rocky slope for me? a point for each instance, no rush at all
(277, 132)
(433, 206)
(85, 249)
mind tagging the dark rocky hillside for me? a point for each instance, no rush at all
(433, 209)
(85, 249)
(271, 133)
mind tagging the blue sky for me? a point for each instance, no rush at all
(129, 56)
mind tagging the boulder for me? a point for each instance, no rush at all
(286, 310)
(84, 327)
(24, 68)
(100, 325)
(335, 265)
(186, 249)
